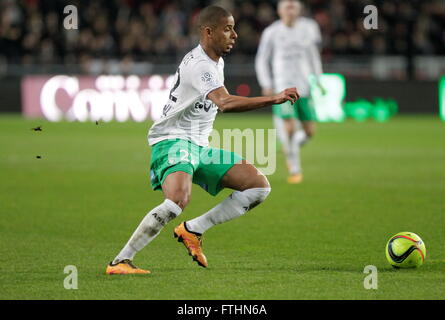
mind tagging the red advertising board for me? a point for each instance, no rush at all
(88, 98)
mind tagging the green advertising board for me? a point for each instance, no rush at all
(442, 98)
(329, 106)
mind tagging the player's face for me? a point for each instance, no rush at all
(289, 11)
(225, 36)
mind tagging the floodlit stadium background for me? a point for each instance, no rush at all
(76, 105)
(131, 47)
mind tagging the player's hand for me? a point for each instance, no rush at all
(289, 94)
(267, 92)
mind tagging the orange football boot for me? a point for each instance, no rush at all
(124, 267)
(295, 178)
(192, 242)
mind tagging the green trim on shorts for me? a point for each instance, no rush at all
(302, 109)
(206, 165)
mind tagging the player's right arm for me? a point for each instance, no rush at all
(231, 103)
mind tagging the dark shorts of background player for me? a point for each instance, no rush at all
(302, 109)
(206, 165)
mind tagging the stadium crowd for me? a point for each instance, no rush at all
(31, 31)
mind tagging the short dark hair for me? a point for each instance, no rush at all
(280, 1)
(211, 15)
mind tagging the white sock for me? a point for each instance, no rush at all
(300, 137)
(149, 228)
(282, 134)
(234, 206)
(292, 159)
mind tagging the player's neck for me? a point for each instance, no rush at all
(209, 52)
(289, 23)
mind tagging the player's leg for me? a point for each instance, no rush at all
(244, 176)
(282, 128)
(309, 128)
(293, 154)
(251, 188)
(177, 190)
(224, 170)
(306, 115)
(173, 175)
(285, 124)
(301, 137)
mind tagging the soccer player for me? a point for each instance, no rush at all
(287, 55)
(180, 152)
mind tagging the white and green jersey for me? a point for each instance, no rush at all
(288, 55)
(188, 114)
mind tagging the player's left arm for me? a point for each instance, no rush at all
(314, 55)
(316, 66)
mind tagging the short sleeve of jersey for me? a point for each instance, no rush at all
(205, 78)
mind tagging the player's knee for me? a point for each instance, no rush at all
(182, 202)
(256, 196)
(255, 181)
(261, 182)
(310, 131)
(262, 189)
(179, 197)
(263, 193)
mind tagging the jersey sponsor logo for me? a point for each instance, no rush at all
(158, 218)
(171, 215)
(206, 105)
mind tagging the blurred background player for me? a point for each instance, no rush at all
(287, 55)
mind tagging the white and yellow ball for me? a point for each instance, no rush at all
(405, 250)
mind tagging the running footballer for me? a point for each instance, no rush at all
(180, 152)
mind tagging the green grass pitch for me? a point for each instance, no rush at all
(80, 202)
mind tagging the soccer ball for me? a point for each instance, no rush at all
(405, 250)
